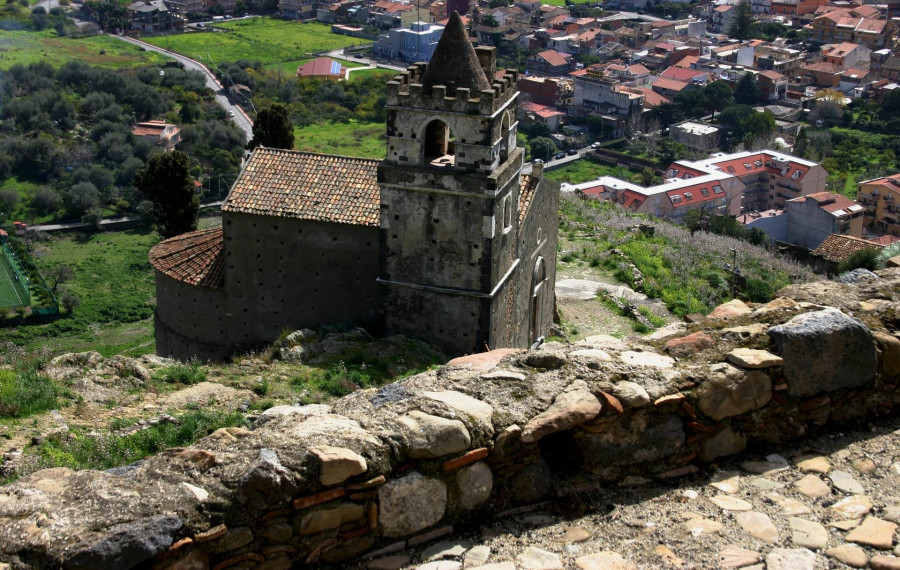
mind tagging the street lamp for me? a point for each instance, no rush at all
(733, 269)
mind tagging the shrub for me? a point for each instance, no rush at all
(863, 259)
(26, 392)
(191, 373)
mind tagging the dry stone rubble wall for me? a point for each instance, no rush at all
(385, 469)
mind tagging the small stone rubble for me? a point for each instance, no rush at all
(384, 476)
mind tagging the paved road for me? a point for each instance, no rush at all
(237, 114)
(106, 223)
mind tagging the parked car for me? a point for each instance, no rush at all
(359, 56)
(560, 155)
(595, 145)
(537, 161)
(572, 152)
(230, 113)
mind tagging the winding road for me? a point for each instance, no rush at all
(237, 114)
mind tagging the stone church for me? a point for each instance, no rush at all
(445, 240)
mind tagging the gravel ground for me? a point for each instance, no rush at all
(748, 512)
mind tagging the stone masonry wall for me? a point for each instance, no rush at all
(383, 469)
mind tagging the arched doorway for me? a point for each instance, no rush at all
(439, 144)
(538, 292)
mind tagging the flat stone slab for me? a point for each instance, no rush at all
(758, 525)
(808, 534)
(484, 360)
(606, 560)
(726, 481)
(731, 503)
(538, 559)
(577, 289)
(790, 559)
(853, 507)
(850, 555)
(845, 482)
(814, 463)
(700, 526)
(752, 358)
(736, 557)
(651, 359)
(873, 532)
(812, 487)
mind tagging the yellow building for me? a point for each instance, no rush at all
(881, 199)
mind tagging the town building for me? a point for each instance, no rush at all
(549, 63)
(617, 104)
(880, 197)
(160, 133)
(444, 240)
(695, 135)
(323, 68)
(299, 9)
(156, 16)
(413, 44)
(814, 217)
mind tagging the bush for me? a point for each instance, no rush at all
(25, 393)
(191, 373)
(863, 259)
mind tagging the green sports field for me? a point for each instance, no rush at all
(12, 294)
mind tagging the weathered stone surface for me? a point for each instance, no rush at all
(726, 442)
(883, 562)
(546, 358)
(736, 557)
(605, 560)
(824, 351)
(532, 483)
(410, 504)
(650, 359)
(591, 355)
(850, 555)
(758, 525)
(688, 345)
(568, 410)
(464, 403)
(873, 532)
(475, 483)
(773, 464)
(445, 549)
(791, 506)
(337, 464)
(730, 503)
(631, 394)
(636, 440)
(808, 534)
(234, 538)
(477, 556)
(699, 526)
(853, 507)
(890, 352)
(730, 310)
(329, 518)
(845, 482)
(389, 562)
(483, 360)
(729, 391)
(432, 436)
(752, 358)
(790, 559)
(534, 558)
(814, 463)
(727, 481)
(812, 487)
(441, 565)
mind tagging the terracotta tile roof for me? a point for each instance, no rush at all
(831, 202)
(669, 84)
(322, 67)
(554, 58)
(652, 98)
(527, 187)
(682, 74)
(823, 66)
(154, 128)
(885, 240)
(195, 258)
(838, 247)
(307, 186)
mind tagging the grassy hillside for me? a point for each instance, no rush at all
(686, 272)
(24, 47)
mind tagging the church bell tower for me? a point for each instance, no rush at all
(449, 222)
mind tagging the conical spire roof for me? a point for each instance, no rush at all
(454, 63)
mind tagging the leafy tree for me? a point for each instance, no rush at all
(92, 218)
(890, 105)
(746, 91)
(82, 197)
(542, 147)
(70, 301)
(693, 102)
(9, 201)
(46, 200)
(718, 96)
(59, 274)
(742, 27)
(272, 128)
(757, 129)
(166, 181)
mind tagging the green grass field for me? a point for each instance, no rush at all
(364, 140)
(115, 283)
(257, 39)
(24, 47)
(363, 73)
(10, 298)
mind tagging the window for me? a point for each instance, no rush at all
(676, 198)
(688, 196)
(439, 144)
(704, 191)
(747, 166)
(757, 163)
(507, 214)
(797, 175)
(730, 170)
(718, 189)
